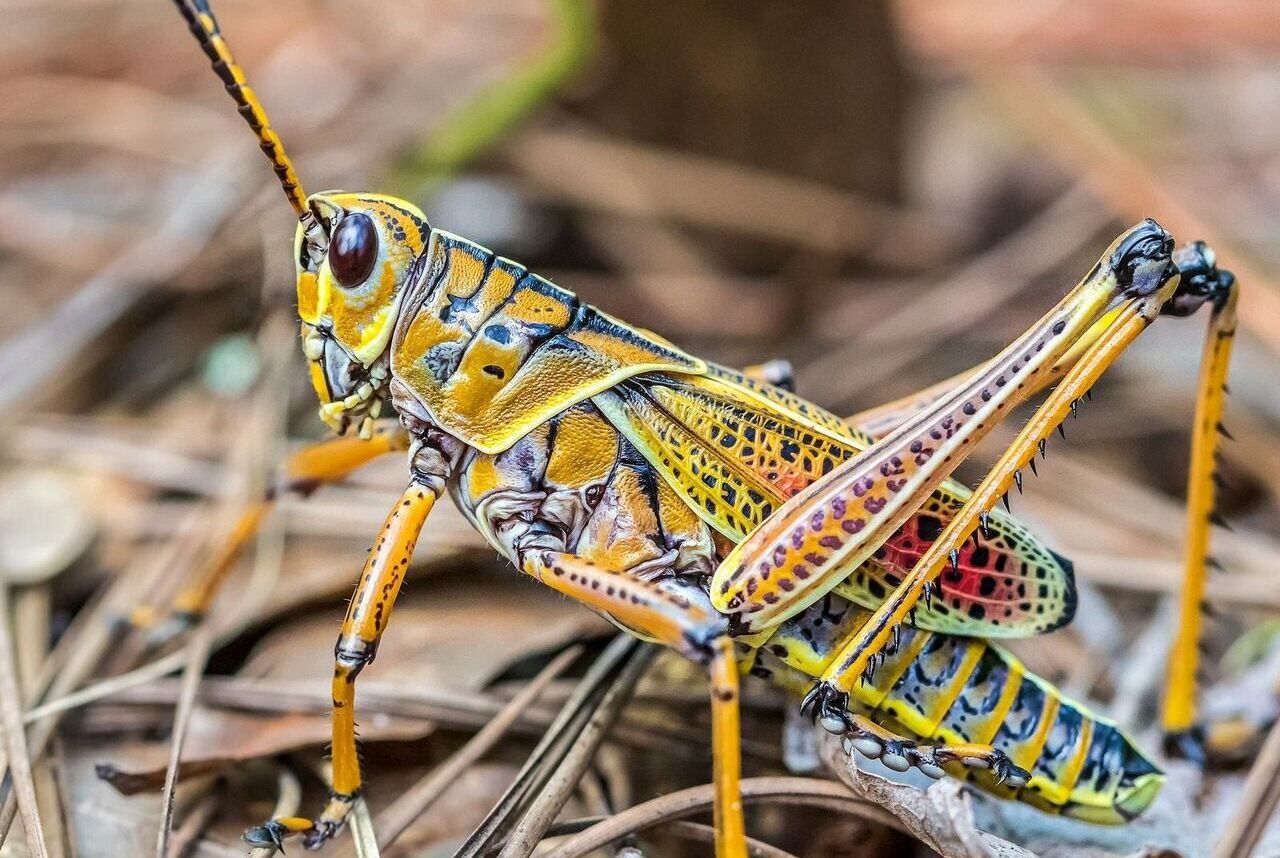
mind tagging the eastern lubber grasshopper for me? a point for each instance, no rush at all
(716, 512)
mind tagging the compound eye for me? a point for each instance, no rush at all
(353, 250)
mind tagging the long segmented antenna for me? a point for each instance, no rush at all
(204, 26)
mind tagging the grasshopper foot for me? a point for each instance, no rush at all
(1187, 744)
(275, 832)
(899, 755)
(172, 627)
(271, 834)
(1006, 772)
(314, 832)
(828, 707)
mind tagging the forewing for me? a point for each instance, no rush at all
(735, 450)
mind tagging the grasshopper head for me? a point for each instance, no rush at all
(355, 255)
(349, 296)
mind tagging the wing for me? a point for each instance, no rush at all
(735, 449)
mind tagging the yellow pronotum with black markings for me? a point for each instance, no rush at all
(719, 514)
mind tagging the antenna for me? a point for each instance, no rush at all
(204, 26)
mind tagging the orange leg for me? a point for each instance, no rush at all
(366, 619)
(693, 631)
(307, 469)
(1178, 717)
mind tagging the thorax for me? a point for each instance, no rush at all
(574, 484)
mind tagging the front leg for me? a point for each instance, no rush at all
(307, 469)
(366, 619)
(675, 622)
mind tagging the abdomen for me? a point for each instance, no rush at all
(947, 689)
(577, 476)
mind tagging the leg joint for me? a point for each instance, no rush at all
(701, 638)
(345, 797)
(353, 654)
(430, 466)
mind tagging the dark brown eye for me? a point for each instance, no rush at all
(353, 249)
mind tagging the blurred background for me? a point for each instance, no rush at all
(883, 193)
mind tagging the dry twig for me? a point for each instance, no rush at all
(197, 653)
(1256, 805)
(688, 802)
(15, 735)
(393, 821)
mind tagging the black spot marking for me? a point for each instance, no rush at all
(928, 527)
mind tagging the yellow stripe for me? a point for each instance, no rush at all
(1068, 779)
(1027, 755)
(947, 699)
(1012, 685)
(862, 691)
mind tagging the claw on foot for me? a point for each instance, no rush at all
(1014, 777)
(275, 832)
(271, 834)
(828, 707)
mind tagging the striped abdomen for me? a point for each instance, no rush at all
(947, 689)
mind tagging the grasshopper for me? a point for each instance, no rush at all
(719, 514)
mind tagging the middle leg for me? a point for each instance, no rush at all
(697, 633)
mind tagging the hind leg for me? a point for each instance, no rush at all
(1184, 734)
(900, 753)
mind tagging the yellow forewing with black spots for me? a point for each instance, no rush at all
(736, 449)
